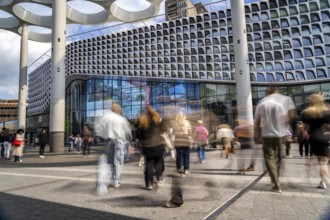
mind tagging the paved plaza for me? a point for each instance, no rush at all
(63, 186)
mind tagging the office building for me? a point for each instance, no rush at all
(188, 65)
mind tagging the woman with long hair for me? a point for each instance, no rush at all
(317, 116)
(182, 142)
(151, 127)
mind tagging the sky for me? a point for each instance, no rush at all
(10, 49)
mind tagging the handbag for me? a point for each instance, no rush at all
(16, 143)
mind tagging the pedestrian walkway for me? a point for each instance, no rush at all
(63, 186)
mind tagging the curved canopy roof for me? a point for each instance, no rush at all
(38, 13)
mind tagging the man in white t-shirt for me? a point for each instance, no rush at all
(271, 124)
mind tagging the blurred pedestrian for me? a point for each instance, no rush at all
(2, 148)
(70, 142)
(78, 142)
(18, 150)
(317, 116)
(115, 129)
(42, 142)
(7, 139)
(87, 140)
(226, 137)
(183, 139)
(201, 134)
(270, 124)
(151, 127)
(302, 139)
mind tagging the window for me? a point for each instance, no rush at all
(294, 21)
(261, 77)
(295, 32)
(270, 77)
(309, 63)
(296, 43)
(297, 54)
(317, 39)
(288, 65)
(318, 51)
(278, 55)
(260, 67)
(256, 27)
(304, 19)
(268, 56)
(279, 77)
(289, 76)
(319, 62)
(307, 41)
(308, 52)
(316, 29)
(288, 54)
(298, 65)
(310, 74)
(264, 16)
(267, 46)
(269, 67)
(293, 10)
(283, 12)
(258, 47)
(300, 76)
(266, 36)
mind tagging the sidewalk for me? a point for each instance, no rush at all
(63, 186)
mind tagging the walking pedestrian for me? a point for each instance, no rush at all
(225, 136)
(183, 139)
(270, 125)
(87, 136)
(151, 127)
(42, 142)
(201, 134)
(115, 129)
(317, 116)
(7, 139)
(302, 138)
(78, 142)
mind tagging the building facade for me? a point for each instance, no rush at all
(176, 9)
(8, 113)
(188, 65)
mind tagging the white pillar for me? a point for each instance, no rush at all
(57, 100)
(23, 78)
(243, 84)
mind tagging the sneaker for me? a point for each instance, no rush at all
(250, 168)
(203, 161)
(169, 204)
(186, 172)
(322, 185)
(159, 182)
(42, 156)
(276, 189)
(149, 188)
(180, 171)
(116, 185)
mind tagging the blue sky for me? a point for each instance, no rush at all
(10, 49)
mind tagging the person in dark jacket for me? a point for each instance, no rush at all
(151, 127)
(42, 142)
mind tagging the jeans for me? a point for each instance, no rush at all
(182, 157)
(7, 147)
(115, 153)
(70, 146)
(272, 149)
(127, 150)
(201, 153)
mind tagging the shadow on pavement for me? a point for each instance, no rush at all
(14, 207)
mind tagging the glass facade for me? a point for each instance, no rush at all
(213, 102)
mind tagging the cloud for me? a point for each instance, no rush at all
(10, 61)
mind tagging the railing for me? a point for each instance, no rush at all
(114, 27)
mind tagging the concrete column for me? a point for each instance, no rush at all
(22, 93)
(243, 83)
(57, 100)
